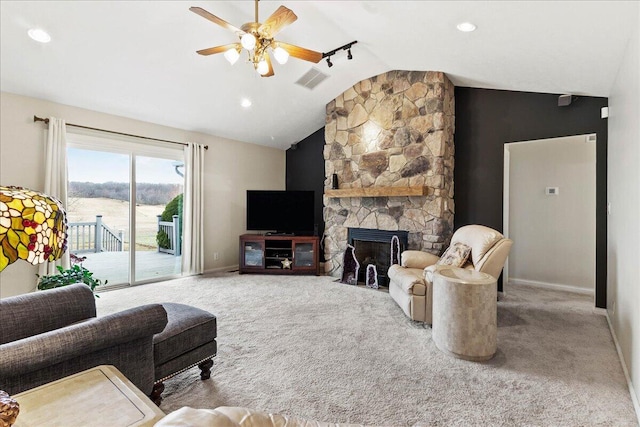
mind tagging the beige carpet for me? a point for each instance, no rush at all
(315, 348)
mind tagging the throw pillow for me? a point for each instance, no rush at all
(455, 255)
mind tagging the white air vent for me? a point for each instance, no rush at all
(312, 78)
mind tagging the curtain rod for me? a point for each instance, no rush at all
(40, 119)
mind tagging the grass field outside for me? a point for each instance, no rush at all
(115, 214)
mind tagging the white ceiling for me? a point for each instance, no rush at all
(138, 58)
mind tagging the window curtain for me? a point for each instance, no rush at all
(55, 178)
(192, 222)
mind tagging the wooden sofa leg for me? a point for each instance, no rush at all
(205, 369)
(156, 393)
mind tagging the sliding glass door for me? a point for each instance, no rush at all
(121, 242)
(158, 228)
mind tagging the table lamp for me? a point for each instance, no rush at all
(33, 227)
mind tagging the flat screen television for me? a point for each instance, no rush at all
(290, 212)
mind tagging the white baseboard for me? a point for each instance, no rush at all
(555, 286)
(219, 269)
(634, 396)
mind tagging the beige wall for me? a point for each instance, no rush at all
(231, 167)
(554, 235)
(623, 192)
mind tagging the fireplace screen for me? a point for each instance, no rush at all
(374, 247)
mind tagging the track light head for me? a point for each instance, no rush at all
(349, 56)
(329, 63)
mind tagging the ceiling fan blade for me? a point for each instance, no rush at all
(270, 72)
(218, 49)
(276, 22)
(211, 17)
(301, 53)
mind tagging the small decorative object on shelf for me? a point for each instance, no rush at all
(33, 227)
(350, 267)
(286, 263)
(395, 250)
(334, 181)
(372, 277)
(9, 409)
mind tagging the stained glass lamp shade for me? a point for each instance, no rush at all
(33, 227)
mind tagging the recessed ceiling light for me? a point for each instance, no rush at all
(39, 35)
(466, 27)
(246, 103)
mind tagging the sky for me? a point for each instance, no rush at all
(99, 166)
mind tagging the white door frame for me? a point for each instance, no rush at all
(505, 195)
(505, 211)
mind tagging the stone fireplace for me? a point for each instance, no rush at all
(389, 140)
(374, 247)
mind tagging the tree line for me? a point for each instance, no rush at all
(146, 193)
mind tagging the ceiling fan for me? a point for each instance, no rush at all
(257, 38)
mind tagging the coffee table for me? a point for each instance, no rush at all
(99, 396)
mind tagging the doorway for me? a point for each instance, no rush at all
(550, 212)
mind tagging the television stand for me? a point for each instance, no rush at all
(279, 254)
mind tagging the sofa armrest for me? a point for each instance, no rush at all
(50, 348)
(417, 259)
(232, 416)
(38, 312)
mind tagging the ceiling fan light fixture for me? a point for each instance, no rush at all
(262, 68)
(248, 41)
(281, 55)
(258, 39)
(232, 55)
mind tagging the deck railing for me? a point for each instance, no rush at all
(172, 229)
(94, 237)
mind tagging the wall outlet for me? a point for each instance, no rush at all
(613, 309)
(216, 256)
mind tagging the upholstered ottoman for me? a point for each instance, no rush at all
(189, 339)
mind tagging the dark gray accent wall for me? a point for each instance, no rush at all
(305, 171)
(487, 119)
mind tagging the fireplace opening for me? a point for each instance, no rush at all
(374, 247)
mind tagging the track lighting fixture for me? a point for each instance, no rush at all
(346, 47)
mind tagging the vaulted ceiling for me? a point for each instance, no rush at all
(138, 58)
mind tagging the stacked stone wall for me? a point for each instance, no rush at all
(391, 130)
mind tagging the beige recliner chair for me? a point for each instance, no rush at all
(410, 283)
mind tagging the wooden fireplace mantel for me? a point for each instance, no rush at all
(417, 190)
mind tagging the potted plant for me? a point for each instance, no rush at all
(76, 274)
